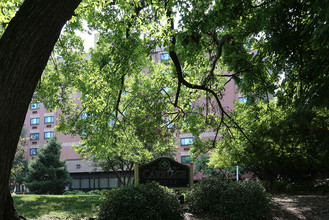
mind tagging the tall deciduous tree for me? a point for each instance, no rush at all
(244, 38)
(47, 173)
(25, 47)
(287, 145)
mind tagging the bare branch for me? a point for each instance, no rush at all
(174, 58)
(177, 93)
(119, 96)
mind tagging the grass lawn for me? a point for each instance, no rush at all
(57, 206)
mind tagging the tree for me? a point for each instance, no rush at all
(47, 173)
(125, 160)
(248, 53)
(287, 145)
(291, 63)
(19, 166)
(25, 47)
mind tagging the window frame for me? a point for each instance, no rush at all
(35, 151)
(189, 142)
(50, 132)
(186, 156)
(242, 99)
(164, 56)
(84, 116)
(32, 134)
(37, 121)
(51, 121)
(36, 107)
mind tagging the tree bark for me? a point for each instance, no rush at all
(24, 51)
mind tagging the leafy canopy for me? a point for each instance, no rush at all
(268, 48)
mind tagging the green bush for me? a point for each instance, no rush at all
(144, 201)
(74, 192)
(228, 199)
(94, 192)
(302, 187)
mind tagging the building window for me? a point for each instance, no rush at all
(84, 115)
(84, 183)
(164, 56)
(34, 151)
(34, 121)
(113, 182)
(103, 183)
(186, 159)
(35, 136)
(35, 105)
(243, 99)
(170, 125)
(186, 141)
(49, 119)
(75, 183)
(78, 166)
(49, 134)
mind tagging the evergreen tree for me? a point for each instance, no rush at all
(47, 173)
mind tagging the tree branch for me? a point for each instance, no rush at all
(174, 58)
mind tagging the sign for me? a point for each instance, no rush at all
(165, 171)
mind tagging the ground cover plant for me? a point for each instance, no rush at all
(228, 199)
(141, 202)
(57, 206)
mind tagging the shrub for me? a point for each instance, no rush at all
(228, 199)
(302, 187)
(144, 201)
(97, 192)
(74, 192)
(94, 192)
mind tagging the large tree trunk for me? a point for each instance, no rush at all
(24, 51)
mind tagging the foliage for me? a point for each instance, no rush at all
(19, 167)
(97, 192)
(92, 192)
(74, 192)
(202, 165)
(287, 136)
(229, 200)
(57, 206)
(285, 145)
(7, 11)
(144, 201)
(47, 173)
(269, 49)
(114, 120)
(305, 187)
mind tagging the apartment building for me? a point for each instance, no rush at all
(40, 124)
